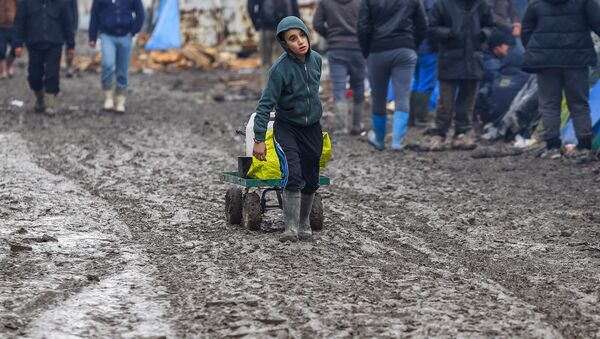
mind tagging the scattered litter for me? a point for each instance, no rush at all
(17, 103)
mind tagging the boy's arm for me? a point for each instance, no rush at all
(20, 25)
(267, 102)
(139, 17)
(319, 21)
(592, 13)
(529, 24)
(364, 27)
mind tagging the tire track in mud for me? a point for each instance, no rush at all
(348, 283)
(85, 276)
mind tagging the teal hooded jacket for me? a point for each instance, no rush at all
(292, 88)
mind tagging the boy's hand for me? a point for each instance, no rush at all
(93, 44)
(19, 52)
(71, 53)
(260, 151)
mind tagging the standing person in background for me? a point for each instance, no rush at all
(425, 77)
(336, 21)
(265, 15)
(44, 26)
(460, 28)
(8, 10)
(560, 50)
(75, 21)
(389, 32)
(117, 21)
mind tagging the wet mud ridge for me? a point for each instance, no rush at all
(113, 226)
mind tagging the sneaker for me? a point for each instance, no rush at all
(463, 142)
(436, 144)
(380, 146)
(578, 156)
(551, 154)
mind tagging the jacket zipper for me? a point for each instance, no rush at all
(308, 99)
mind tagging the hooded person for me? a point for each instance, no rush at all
(559, 50)
(293, 92)
(336, 21)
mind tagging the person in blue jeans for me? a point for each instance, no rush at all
(336, 21)
(424, 78)
(117, 21)
(389, 32)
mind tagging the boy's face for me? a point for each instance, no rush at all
(296, 41)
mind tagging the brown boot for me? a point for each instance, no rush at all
(463, 142)
(436, 144)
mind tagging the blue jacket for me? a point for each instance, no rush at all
(40, 23)
(116, 17)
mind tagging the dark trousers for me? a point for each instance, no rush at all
(576, 86)
(44, 68)
(456, 100)
(344, 63)
(299, 150)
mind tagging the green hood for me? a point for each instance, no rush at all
(287, 23)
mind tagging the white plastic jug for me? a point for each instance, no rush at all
(250, 132)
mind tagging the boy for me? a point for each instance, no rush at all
(293, 90)
(44, 25)
(560, 51)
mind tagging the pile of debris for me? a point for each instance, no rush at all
(192, 55)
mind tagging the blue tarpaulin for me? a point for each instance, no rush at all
(166, 32)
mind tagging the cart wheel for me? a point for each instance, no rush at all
(251, 214)
(233, 206)
(316, 213)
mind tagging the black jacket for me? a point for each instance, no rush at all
(336, 21)
(40, 23)
(556, 34)
(390, 24)
(459, 28)
(266, 14)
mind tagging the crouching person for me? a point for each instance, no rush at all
(293, 90)
(43, 26)
(117, 21)
(560, 51)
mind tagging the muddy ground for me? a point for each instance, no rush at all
(113, 226)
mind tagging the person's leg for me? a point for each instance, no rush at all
(445, 107)
(379, 76)
(123, 57)
(426, 86)
(338, 72)
(70, 69)
(465, 103)
(52, 77)
(109, 64)
(35, 74)
(292, 182)
(577, 87)
(403, 68)
(3, 50)
(265, 49)
(310, 143)
(358, 73)
(550, 99)
(11, 55)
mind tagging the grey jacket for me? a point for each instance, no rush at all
(336, 21)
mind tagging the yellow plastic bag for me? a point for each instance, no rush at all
(270, 169)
